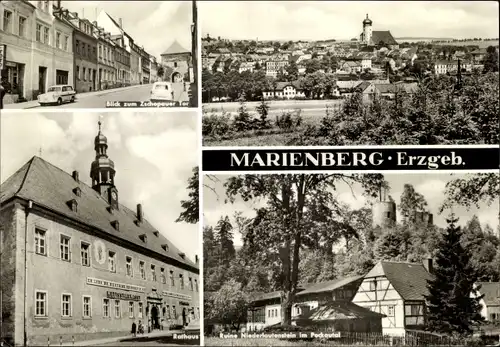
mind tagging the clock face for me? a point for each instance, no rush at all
(114, 195)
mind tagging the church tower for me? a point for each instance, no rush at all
(367, 30)
(102, 171)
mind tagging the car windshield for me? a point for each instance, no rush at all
(54, 89)
(161, 86)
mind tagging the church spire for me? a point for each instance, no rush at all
(102, 170)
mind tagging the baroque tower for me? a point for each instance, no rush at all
(102, 171)
(367, 30)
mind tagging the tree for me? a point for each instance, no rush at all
(160, 72)
(292, 71)
(228, 305)
(451, 309)
(242, 120)
(299, 212)
(491, 60)
(224, 241)
(191, 207)
(263, 110)
(411, 202)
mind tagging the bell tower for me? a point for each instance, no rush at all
(102, 170)
(367, 30)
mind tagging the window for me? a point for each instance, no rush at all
(38, 32)
(140, 310)
(390, 311)
(174, 312)
(46, 35)
(131, 309)
(83, 48)
(84, 74)
(129, 266)
(65, 42)
(181, 281)
(22, 26)
(414, 314)
(85, 253)
(373, 285)
(112, 261)
(172, 279)
(77, 45)
(196, 284)
(65, 248)
(58, 40)
(78, 72)
(66, 305)
(162, 275)
(105, 308)
(40, 245)
(117, 309)
(190, 283)
(175, 64)
(153, 273)
(87, 306)
(169, 314)
(41, 303)
(142, 271)
(7, 20)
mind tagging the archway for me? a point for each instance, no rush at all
(176, 77)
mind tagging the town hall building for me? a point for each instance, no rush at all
(76, 264)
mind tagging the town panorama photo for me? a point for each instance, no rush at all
(350, 73)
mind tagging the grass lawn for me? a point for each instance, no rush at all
(271, 137)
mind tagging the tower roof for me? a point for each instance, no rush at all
(175, 48)
(367, 20)
(100, 138)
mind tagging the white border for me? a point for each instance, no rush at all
(358, 147)
(322, 171)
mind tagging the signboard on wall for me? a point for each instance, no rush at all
(176, 295)
(3, 52)
(123, 296)
(110, 284)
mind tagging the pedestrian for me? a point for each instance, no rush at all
(134, 329)
(2, 94)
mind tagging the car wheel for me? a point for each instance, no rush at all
(72, 99)
(59, 101)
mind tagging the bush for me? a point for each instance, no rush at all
(289, 120)
(216, 125)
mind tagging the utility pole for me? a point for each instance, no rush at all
(194, 55)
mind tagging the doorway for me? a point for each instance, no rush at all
(176, 77)
(154, 317)
(184, 317)
(61, 77)
(42, 77)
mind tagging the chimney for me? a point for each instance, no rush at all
(120, 23)
(196, 259)
(58, 3)
(139, 212)
(428, 265)
(76, 176)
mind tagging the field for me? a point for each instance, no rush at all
(267, 137)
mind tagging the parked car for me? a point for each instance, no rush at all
(162, 91)
(57, 95)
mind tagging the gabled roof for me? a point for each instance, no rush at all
(335, 310)
(491, 292)
(175, 48)
(363, 85)
(383, 36)
(408, 279)
(282, 85)
(330, 285)
(51, 188)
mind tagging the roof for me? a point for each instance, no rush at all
(51, 188)
(408, 279)
(175, 48)
(491, 292)
(348, 84)
(382, 37)
(363, 85)
(336, 310)
(282, 85)
(329, 285)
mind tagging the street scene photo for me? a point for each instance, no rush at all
(351, 259)
(98, 242)
(98, 54)
(350, 73)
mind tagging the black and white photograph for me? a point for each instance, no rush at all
(98, 54)
(399, 259)
(349, 72)
(100, 242)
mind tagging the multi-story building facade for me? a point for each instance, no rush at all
(76, 263)
(106, 70)
(122, 61)
(153, 68)
(178, 59)
(135, 62)
(273, 67)
(37, 48)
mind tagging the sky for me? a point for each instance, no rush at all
(430, 185)
(320, 20)
(150, 150)
(152, 24)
